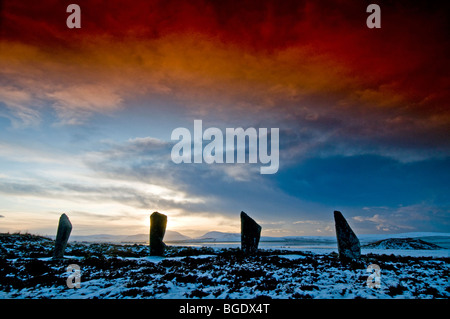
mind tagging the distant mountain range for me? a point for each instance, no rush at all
(441, 239)
(170, 236)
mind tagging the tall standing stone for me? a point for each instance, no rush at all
(348, 244)
(250, 234)
(158, 223)
(62, 236)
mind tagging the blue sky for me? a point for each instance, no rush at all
(110, 172)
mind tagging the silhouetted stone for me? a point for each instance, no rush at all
(250, 234)
(158, 224)
(62, 236)
(348, 244)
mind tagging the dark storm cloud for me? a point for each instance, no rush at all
(225, 188)
(367, 180)
(420, 216)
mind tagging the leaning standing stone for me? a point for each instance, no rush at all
(250, 234)
(158, 224)
(348, 244)
(62, 236)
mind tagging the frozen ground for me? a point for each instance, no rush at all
(126, 271)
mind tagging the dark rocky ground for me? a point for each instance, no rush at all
(127, 271)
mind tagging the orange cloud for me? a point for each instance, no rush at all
(289, 58)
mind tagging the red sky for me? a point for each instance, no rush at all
(258, 55)
(408, 54)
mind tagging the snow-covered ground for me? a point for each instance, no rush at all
(126, 271)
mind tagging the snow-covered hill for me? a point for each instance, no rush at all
(402, 243)
(170, 236)
(114, 271)
(217, 236)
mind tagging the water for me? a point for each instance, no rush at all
(264, 245)
(319, 248)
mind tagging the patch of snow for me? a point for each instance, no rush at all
(126, 271)
(292, 257)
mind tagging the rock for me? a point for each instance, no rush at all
(348, 244)
(158, 224)
(62, 236)
(250, 234)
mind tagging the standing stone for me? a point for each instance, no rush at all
(62, 236)
(250, 234)
(158, 224)
(348, 244)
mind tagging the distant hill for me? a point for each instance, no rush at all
(217, 236)
(402, 243)
(439, 239)
(170, 236)
(213, 236)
